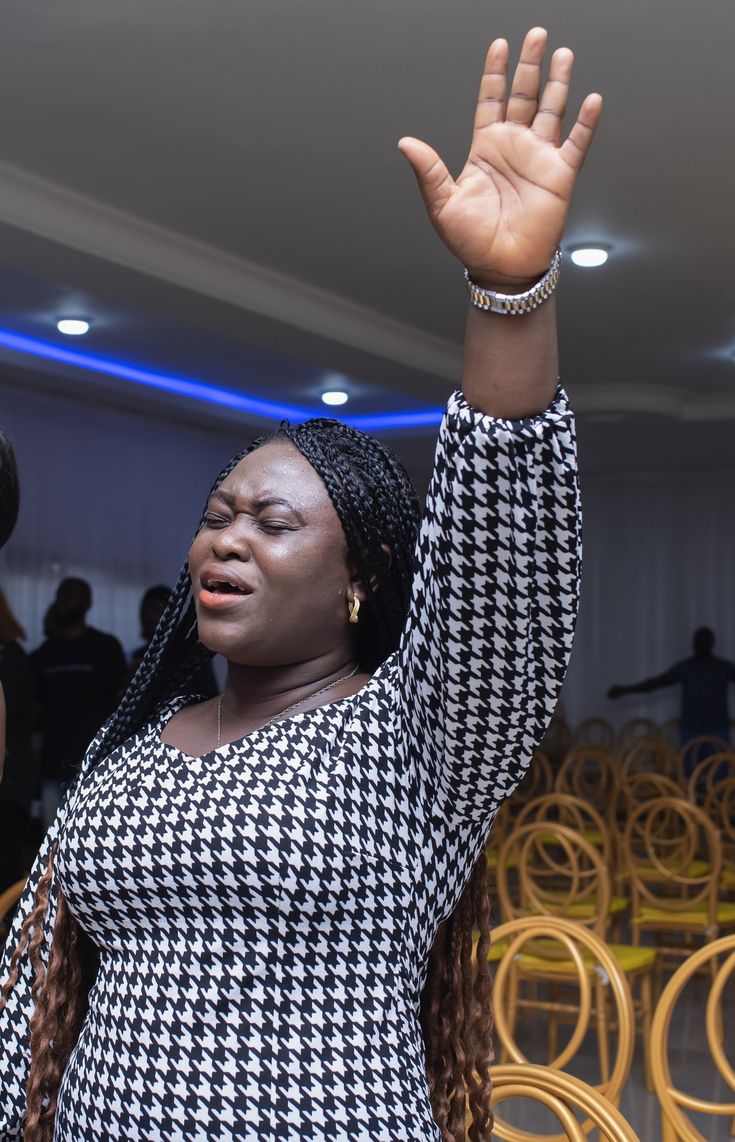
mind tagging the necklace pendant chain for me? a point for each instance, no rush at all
(282, 713)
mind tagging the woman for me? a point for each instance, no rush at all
(260, 878)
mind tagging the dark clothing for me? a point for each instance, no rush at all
(20, 777)
(704, 682)
(78, 682)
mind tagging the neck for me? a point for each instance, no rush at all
(260, 691)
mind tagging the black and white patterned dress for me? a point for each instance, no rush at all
(265, 912)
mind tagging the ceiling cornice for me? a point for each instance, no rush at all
(54, 212)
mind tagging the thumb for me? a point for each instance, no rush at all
(435, 182)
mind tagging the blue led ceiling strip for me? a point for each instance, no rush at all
(210, 394)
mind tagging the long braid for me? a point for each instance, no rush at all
(378, 508)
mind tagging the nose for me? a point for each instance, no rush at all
(232, 542)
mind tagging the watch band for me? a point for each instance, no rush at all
(515, 304)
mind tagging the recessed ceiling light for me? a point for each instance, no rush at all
(72, 326)
(589, 255)
(335, 396)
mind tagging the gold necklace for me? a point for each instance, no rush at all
(282, 713)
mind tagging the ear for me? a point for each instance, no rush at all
(357, 587)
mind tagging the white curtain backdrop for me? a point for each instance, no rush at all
(114, 498)
(659, 557)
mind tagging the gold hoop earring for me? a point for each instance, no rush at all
(354, 610)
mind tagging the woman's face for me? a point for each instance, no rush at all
(269, 567)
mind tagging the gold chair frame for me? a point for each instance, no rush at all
(676, 1127)
(562, 1094)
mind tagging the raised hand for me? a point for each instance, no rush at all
(504, 216)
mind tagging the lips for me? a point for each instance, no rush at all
(221, 588)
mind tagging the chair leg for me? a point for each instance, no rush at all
(512, 1010)
(553, 1042)
(646, 1016)
(602, 1042)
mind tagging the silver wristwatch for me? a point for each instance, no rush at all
(515, 304)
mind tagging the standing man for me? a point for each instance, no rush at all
(704, 680)
(79, 673)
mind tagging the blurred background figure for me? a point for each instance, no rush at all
(9, 505)
(20, 778)
(152, 606)
(78, 673)
(704, 680)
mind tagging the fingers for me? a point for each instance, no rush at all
(526, 84)
(574, 149)
(491, 100)
(551, 110)
(435, 182)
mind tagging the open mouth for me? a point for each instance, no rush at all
(220, 587)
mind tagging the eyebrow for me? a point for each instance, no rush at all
(265, 502)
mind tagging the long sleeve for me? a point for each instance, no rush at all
(494, 604)
(15, 1018)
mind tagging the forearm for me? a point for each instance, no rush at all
(511, 364)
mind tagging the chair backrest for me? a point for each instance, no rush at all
(574, 812)
(651, 755)
(594, 731)
(545, 869)
(590, 772)
(698, 748)
(674, 1101)
(720, 808)
(538, 779)
(633, 731)
(662, 839)
(562, 1094)
(707, 773)
(551, 939)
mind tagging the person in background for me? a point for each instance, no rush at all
(9, 505)
(20, 778)
(704, 680)
(152, 606)
(78, 673)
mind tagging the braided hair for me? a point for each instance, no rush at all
(379, 512)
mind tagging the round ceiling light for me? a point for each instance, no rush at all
(335, 397)
(589, 255)
(72, 326)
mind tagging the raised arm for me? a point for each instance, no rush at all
(669, 678)
(495, 595)
(504, 215)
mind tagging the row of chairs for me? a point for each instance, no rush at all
(525, 946)
(599, 731)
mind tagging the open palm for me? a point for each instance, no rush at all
(504, 215)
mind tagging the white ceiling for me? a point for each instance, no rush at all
(217, 185)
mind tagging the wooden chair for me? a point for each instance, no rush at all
(676, 1126)
(565, 1096)
(719, 806)
(546, 869)
(594, 731)
(574, 812)
(651, 755)
(590, 772)
(700, 748)
(707, 773)
(8, 900)
(635, 791)
(633, 731)
(543, 949)
(671, 896)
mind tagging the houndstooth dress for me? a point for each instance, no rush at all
(264, 913)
